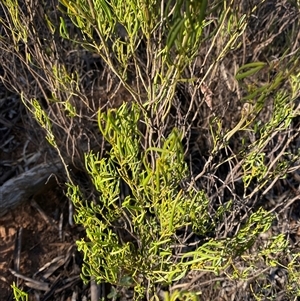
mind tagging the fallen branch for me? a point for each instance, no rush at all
(20, 188)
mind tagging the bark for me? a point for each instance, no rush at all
(20, 188)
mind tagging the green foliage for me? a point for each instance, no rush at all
(19, 295)
(19, 32)
(255, 165)
(171, 30)
(133, 235)
(115, 30)
(132, 241)
(43, 120)
(181, 296)
(151, 214)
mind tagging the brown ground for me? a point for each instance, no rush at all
(37, 233)
(40, 243)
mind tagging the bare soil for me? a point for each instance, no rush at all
(30, 238)
(37, 242)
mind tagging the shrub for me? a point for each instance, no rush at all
(141, 239)
(182, 176)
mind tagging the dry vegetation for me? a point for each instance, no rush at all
(69, 83)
